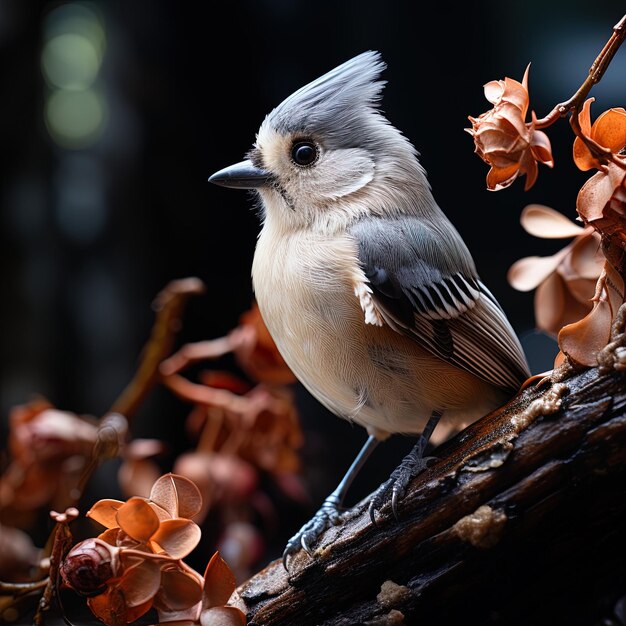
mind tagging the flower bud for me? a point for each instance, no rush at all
(89, 565)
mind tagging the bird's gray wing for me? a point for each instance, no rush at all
(425, 285)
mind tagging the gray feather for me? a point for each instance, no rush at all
(427, 288)
(334, 106)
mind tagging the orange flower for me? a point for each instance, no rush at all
(503, 138)
(136, 564)
(609, 130)
(137, 561)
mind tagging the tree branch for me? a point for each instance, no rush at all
(518, 520)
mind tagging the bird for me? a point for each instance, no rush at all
(367, 289)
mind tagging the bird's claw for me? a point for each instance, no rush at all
(326, 517)
(397, 484)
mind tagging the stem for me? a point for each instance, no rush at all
(62, 541)
(596, 71)
(169, 306)
(20, 589)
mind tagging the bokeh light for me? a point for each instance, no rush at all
(71, 58)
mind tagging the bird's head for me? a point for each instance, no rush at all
(326, 154)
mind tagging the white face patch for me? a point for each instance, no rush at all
(335, 174)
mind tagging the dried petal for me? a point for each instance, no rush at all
(137, 519)
(105, 512)
(541, 148)
(581, 155)
(582, 289)
(177, 495)
(180, 589)
(528, 273)
(609, 130)
(18, 555)
(111, 536)
(136, 476)
(110, 607)
(140, 583)
(543, 221)
(583, 340)
(219, 583)
(256, 352)
(178, 537)
(550, 304)
(586, 259)
(598, 191)
(222, 616)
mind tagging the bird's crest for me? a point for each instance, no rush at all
(328, 105)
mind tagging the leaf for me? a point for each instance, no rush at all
(178, 495)
(222, 616)
(137, 519)
(178, 537)
(179, 590)
(219, 582)
(543, 221)
(105, 512)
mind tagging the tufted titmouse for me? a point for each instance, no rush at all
(366, 287)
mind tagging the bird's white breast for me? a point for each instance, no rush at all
(305, 287)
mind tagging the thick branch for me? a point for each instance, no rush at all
(523, 507)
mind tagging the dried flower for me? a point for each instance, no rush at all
(90, 565)
(503, 138)
(602, 200)
(609, 130)
(577, 291)
(565, 282)
(239, 425)
(256, 351)
(18, 555)
(137, 561)
(47, 447)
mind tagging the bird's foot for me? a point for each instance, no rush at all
(413, 464)
(327, 516)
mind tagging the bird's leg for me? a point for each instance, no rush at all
(413, 464)
(328, 513)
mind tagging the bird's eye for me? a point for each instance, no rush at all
(304, 153)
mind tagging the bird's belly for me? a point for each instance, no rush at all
(368, 374)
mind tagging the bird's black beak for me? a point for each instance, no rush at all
(242, 175)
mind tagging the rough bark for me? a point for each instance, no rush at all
(521, 520)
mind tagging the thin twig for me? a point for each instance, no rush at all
(169, 306)
(596, 71)
(62, 541)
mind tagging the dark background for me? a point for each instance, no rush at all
(91, 233)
